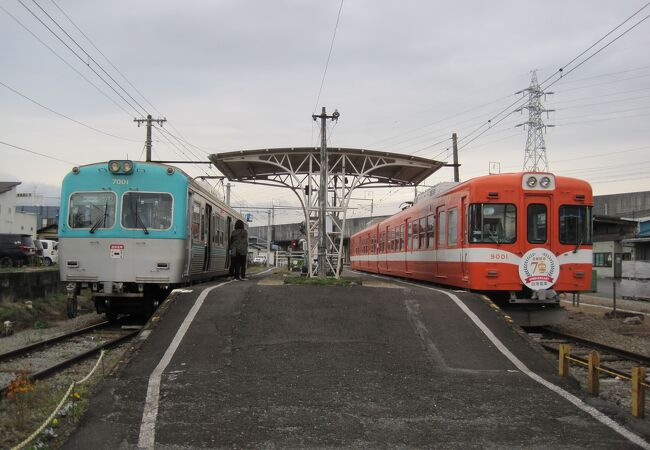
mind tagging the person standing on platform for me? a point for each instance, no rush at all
(238, 251)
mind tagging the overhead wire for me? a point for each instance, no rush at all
(80, 58)
(112, 100)
(37, 153)
(561, 74)
(88, 55)
(90, 127)
(146, 100)
(329, 55)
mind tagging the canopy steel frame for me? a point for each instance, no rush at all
(299, 170)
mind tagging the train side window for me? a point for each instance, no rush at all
(196, 221)
(575, 224)
(537, 223)
(416, 234)
(430, 232)
(401, 237)
(423, 231)
(452, 235)
(409, 231)
(442, 223)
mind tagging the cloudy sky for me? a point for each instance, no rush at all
(405, 75)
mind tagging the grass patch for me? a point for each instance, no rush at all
(30, 268)
(25, 410)
(37, 313)
(319, 281)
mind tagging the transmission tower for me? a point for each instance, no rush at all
(535, 157)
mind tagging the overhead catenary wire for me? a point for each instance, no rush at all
(38, 153)
(90, 127)
(89, 56)
(146, 100)
(329, 55)
(559, 72)
(139, 113)
(112, 100)
(181, 140)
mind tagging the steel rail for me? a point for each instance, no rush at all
(68, 362)
(625, 354)
(42, 344)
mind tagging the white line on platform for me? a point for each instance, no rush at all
(602, 418)
(147, 437)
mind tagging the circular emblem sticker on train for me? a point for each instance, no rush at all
(539, 269)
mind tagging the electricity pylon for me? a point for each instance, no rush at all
(535, 156)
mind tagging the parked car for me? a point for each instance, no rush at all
(48, 250)
(16, 249)
(259, 259)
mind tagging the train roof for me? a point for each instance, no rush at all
(486, 182)
(195, 184)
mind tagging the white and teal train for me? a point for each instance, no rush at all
(131, 231)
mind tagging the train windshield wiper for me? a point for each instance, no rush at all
(575, 250)
(102, 220)
(138, 219)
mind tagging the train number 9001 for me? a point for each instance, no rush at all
(498, 256)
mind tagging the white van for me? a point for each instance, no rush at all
(50, 251)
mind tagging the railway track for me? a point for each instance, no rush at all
(36, 355)
(624, 359)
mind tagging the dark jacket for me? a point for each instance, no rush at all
(239, 241)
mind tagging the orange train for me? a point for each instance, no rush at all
(520, 238)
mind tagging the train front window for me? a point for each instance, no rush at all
(537, 223)
(94, 210)
(147, 210)
(575, 224)
(492, 223)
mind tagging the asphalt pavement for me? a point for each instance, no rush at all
(259, 364)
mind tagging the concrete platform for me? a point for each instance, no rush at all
(382, 365)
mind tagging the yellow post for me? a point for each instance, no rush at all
(565, 352)
(593, 384)
(638, 392)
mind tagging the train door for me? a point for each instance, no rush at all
(227, 239)
(408, 251)
(383, 250)
(401, 248)
(207, 236)
(538, 219)
(462, 224)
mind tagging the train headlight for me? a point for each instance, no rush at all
(531, 182)
(170, 170)
(127, 166)
(114, 166)
(545, 182)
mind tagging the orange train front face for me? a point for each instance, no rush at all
(525, 234)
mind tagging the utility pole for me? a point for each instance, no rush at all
(148, 121)
(535, 153)
(454, 140)
(322, 193)
(228, 194)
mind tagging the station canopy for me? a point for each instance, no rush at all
(272, 166)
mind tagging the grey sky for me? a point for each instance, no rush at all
(233, 75)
